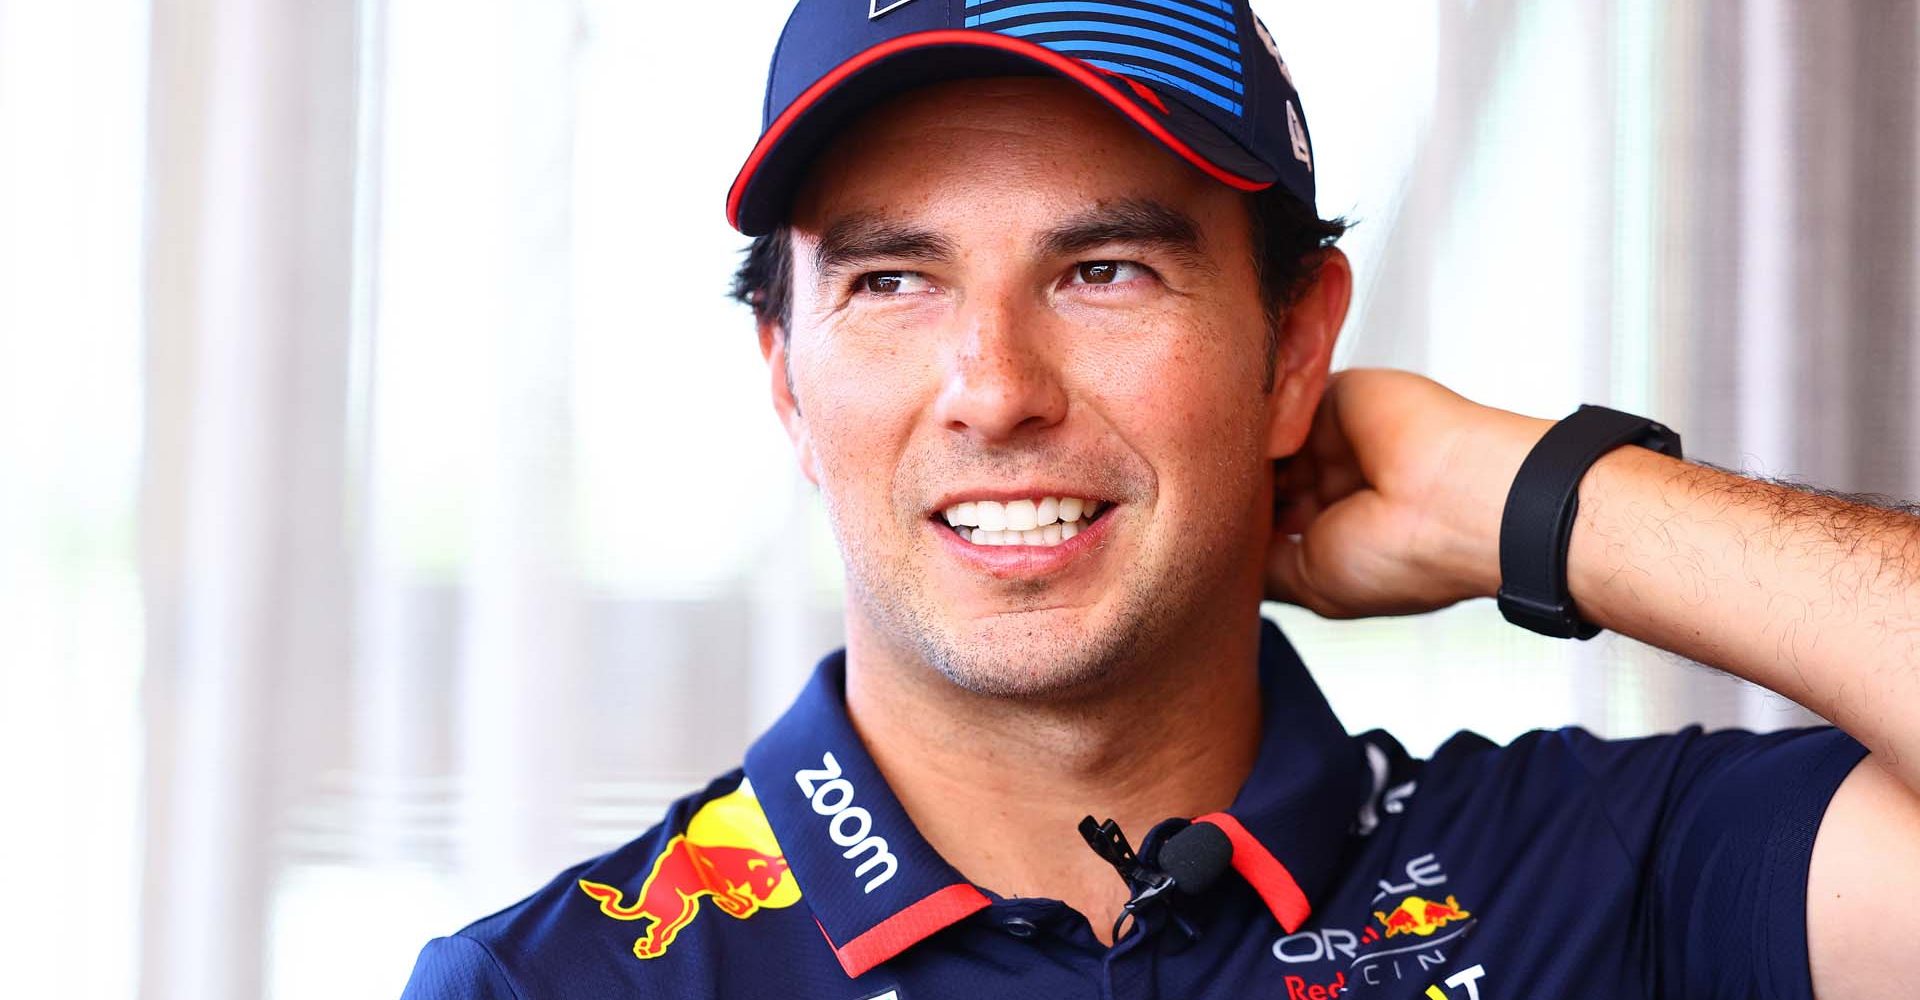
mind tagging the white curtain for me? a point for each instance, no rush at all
(72, 157)
(391, 512)
(245, 507)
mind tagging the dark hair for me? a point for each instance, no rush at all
(1288, 240)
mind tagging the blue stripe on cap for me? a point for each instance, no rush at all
(1230, 106)
(1131, 31)
(1114, 28)
(1228, 37)
(1135, 51)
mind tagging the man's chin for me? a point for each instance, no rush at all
(1044, 654)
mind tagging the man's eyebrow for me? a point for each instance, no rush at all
(868, 237)
(1140, 221)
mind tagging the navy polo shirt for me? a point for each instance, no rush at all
(1561, 865)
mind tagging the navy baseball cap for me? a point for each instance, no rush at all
(1201, 77)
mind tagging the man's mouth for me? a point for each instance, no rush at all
(1041, 521)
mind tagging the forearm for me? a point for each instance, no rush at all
(1394, 507)
(1812, 596)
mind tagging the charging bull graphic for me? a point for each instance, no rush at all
(727, 854)
(1421, 916)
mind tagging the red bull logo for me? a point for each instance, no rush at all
(727, 854)
(1420, 916)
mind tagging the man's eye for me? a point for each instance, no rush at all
(1106, 272)
(893, 282)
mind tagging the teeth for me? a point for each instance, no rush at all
(1020, 516)
(1041, 521)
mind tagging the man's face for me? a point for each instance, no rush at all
(1008, 304)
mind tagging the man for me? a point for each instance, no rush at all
(1043, 300)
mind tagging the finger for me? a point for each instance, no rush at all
(1326, 438)
(1285, 581)
(1288, 580)
(1330, 453)
(1296, 502)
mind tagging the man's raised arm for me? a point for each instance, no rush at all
(1396, 504)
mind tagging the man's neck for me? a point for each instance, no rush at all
(998, 786)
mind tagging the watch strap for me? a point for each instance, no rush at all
(1537, 526)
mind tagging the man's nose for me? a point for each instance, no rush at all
(1002, 377)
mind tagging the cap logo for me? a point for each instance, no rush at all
(1273, 50)
(877, 9)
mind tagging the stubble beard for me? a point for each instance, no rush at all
(1031, 653)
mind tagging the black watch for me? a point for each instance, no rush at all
(1537, 526)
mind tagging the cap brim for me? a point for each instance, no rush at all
(758, 201)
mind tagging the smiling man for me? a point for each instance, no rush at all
(1048, 314)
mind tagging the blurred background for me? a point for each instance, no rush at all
(388, 493)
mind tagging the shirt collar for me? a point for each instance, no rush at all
(1290, 823)
(874, 884)
(877, 888)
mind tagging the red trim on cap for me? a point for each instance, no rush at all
(913, 924)
(1139, 89)
(1076, 70)
(1264, 872)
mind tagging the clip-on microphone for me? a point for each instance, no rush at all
(1190, 860)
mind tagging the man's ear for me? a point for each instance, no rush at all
(1308, 330)
(773, 348)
